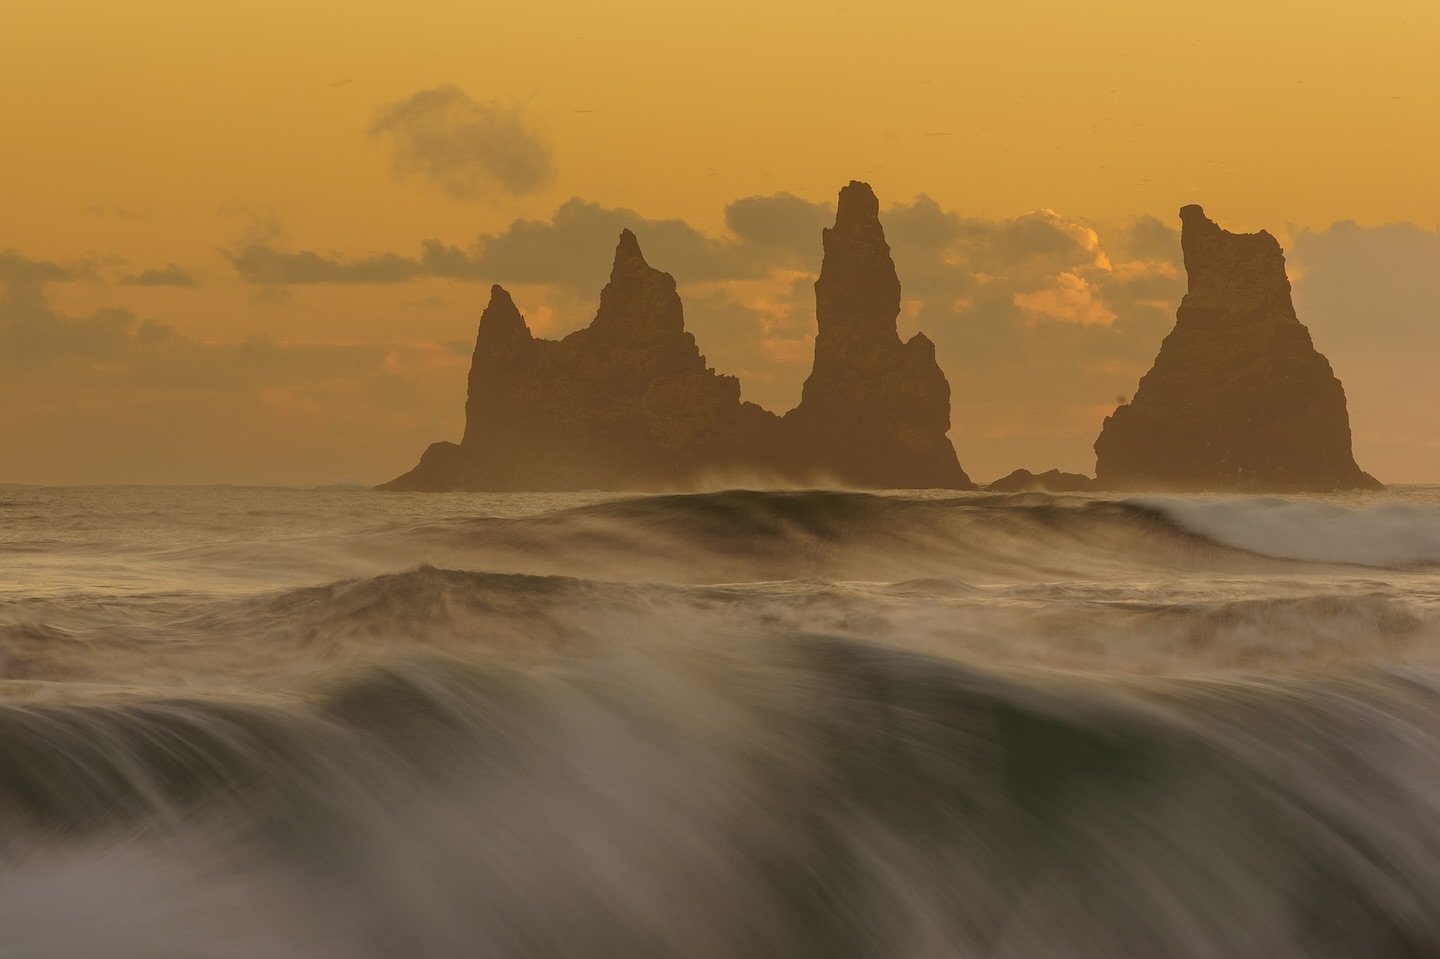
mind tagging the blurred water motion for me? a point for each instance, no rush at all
(241, 722)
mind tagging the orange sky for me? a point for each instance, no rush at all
(167, 133)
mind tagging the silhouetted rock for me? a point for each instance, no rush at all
(1050, 481)
(628, 402)
(1238, 398)
(874, 411)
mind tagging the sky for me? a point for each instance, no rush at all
(249, 242)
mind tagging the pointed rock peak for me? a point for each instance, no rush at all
(628, 258)
(501, 317)
(500, 299)
(858, 204)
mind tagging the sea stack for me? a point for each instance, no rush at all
(628, 403)
(874, 410)
(1238, 398)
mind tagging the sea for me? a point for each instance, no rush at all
(262, 722)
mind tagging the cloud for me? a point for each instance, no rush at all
(264, 265)
(1039, 321)
(466, 149)
(260, 225)
(1071, 299)
(117, 212)
(1146, 238)
(36, 335)
(571, 249)
(32, 333)
(781, 221)
(1362, 287)
(1371, 298)
(762, 331)
(947, 253)
(22, 276)
(170, 275)
(109, 396)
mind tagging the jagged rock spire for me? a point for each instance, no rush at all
(501, 322)
(628, 258)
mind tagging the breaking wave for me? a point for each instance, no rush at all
(1383, 535)
(746, 535)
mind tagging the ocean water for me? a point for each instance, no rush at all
(242, 722)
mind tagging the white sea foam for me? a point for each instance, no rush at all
(1388, 534)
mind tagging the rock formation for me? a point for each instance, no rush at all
(628, 402)
(1238, 398)
(874, 411)
(1050, 481)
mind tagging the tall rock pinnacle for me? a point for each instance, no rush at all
(1238, 398)
(874, 410)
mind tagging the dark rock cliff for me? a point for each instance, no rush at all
(626, 403)
(1238, 398)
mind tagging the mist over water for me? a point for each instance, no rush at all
(240, 722)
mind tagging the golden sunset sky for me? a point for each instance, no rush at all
(215, 212)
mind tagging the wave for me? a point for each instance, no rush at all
(747, 536)
(275, 644)
(1387, 535)
(254, 541)
(824, 797)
